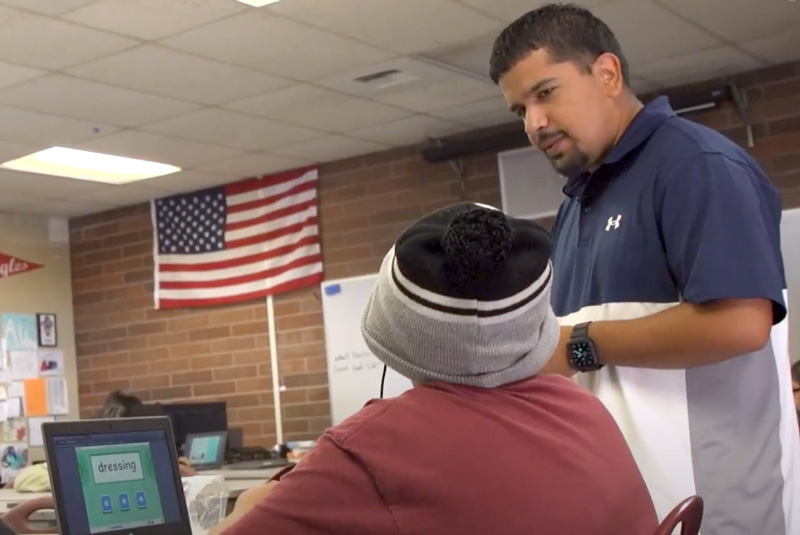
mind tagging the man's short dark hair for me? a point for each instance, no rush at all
(565, 31)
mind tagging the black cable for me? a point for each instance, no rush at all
(383, 379)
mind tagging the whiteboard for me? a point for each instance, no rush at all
(530, 188)
(790, 246)
(354, 373)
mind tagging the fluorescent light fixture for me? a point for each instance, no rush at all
(258, 3)
(92, 166)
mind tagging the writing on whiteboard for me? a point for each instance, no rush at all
(354, 361)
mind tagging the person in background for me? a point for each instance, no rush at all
(668, 275)
(482, 443)
(36, 478)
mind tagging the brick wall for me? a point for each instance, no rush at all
(223, 353)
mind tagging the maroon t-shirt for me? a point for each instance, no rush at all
(537, 457)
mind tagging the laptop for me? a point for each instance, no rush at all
(206, 451)
(117, 475)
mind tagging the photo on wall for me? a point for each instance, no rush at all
(48, 331)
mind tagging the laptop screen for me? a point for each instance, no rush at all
(116, 481)
(206, 449)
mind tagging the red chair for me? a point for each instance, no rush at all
(688, 515)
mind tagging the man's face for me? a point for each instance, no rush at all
(568, 112)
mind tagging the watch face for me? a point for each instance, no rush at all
(582, 355)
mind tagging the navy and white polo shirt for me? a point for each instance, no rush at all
(677, 212)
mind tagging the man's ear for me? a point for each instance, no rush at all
(608, 69)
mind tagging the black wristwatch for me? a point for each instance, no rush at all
(581, 351)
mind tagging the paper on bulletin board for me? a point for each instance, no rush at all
(14, 408)
(24, 365)
(35, 397)
(35, 430)
(16, 390)
(51, 362)
(13, 457)
(15, 430)
(19, 332)
(57, 402)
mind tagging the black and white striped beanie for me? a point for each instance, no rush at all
(463, 297)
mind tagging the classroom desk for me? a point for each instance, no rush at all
(237, 481)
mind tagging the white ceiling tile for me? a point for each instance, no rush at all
(778, 48)
(329, 149)
(187, 181)
(14, 74)
(152, 19)
(165, 72)
(320, 108)
(275, 45)
(43, 186)
(473, 56)
(64, 208)
(232, 129)
(437, 95)
(48, 7)
(82, 99)
(406, 26)
(252, 164)
(132, 193)
(704, 65)
(20, 126)
(32, 39)
(487, 112)
(416, 71)
(154, 147)
(739, 20)
(643, 40)
(11, 202)
(408, 131)
(12, 151)
(510, 10)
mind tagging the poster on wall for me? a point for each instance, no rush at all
(19, 332)
(13, 458)
(11, 265)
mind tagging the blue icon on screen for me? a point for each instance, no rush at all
(105, 502)
(141, 500)
(124, 504)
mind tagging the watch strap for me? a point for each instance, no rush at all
(580, 330)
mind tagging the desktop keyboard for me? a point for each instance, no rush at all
(257, 464)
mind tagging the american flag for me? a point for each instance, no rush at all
(237, 242)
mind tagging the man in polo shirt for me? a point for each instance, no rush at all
(668, 276)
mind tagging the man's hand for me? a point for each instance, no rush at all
(559, 362)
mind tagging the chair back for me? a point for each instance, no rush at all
(688, 515)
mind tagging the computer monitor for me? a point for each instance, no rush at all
(206, 451)
(189, 418)
(114, 475)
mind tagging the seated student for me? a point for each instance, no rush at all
(483, 443)
(36, 478)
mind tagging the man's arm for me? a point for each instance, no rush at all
(328, 492)
(720, 229)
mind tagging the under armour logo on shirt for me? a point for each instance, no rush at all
(613, 222)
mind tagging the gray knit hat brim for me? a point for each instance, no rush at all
(431, 337)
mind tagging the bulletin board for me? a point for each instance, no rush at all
(38, 367)
(33, 386)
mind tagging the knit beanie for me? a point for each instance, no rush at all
(463, 297)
